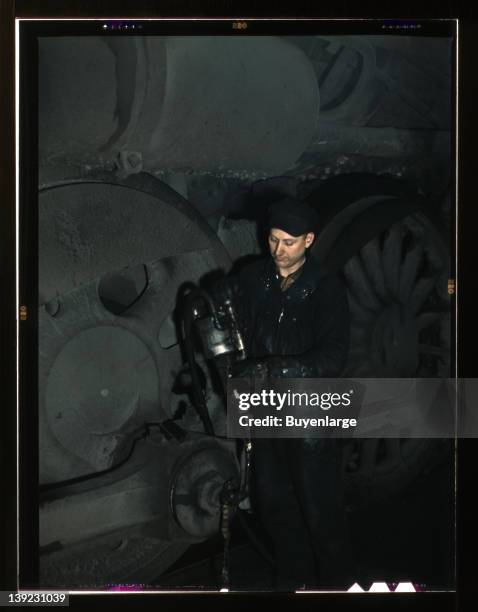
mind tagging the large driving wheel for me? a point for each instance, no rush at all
(113, 257)
(394, 257)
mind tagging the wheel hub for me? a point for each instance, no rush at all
(394, 341)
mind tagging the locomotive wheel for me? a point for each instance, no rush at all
(394, 258)
(113, 257)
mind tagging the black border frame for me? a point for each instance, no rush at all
(466, 284)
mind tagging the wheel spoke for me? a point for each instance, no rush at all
(392, 254)
(421, 291)
(359, 284)
(409, 271)
(372, 259)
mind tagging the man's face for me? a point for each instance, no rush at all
(288, 251)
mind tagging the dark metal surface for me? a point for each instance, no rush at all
(162, 98)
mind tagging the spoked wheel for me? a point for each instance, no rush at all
(394, 258)
(397, 289)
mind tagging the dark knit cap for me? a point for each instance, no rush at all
(292, 216)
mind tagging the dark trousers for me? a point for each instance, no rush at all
(298, 490)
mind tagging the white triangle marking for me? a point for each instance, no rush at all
(379, 587)
(405, 587)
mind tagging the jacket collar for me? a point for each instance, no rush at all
(304, 285)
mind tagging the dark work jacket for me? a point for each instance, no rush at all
(306, 327)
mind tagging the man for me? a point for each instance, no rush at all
(295, 321)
